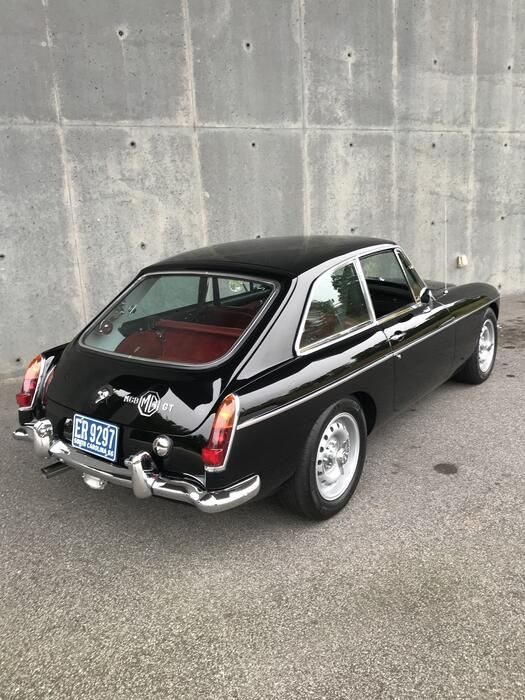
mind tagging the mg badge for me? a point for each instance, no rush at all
(148, 403)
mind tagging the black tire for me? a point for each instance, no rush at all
(472, 372)
(301, 493)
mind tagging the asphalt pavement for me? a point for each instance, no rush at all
(416, 590)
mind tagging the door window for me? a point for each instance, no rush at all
(337, 305)
(386, 283)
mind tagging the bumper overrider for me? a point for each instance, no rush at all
(139, 474)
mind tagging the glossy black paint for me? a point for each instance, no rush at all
(386, 365)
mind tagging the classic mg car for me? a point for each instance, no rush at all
(243, 369)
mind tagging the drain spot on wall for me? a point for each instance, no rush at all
(445, 468)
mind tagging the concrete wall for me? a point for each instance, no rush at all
(130, 130)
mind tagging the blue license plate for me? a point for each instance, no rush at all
(95, 436)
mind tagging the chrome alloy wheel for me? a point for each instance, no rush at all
(487, 346)
(337, 456)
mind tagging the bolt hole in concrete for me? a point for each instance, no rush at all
(351, 145)
(247, 46)
(120, 33)
(18, 359)
(432, 223)
(502, 218)
(133, 144)
(253, 144)
(435, 61)
(509, 67)
(143, 246)
(433, 145)
(445, 468)
(349, 54)
(2, 256)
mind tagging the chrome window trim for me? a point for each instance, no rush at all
(183, 365)
(446, 324)
(399, 252)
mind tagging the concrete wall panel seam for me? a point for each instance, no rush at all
(304, 126)
(65, 164)
(194, 116)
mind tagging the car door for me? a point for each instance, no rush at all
(421, 336)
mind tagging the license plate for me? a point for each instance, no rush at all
(95, 436)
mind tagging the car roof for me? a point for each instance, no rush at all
(288, 255)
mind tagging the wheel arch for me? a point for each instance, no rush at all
(495, 307)
(369, 409)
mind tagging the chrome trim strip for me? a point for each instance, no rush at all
(292, 404)
(322, 390)
(246, 333)
(365, 290)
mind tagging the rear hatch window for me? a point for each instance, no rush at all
(190, 319)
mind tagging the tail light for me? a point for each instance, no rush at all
(216, 451)
(26, 395)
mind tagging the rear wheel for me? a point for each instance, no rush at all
(331, 463)
(479, 366)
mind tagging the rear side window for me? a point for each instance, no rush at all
(386, 283)
(337, 305)
(189, 319)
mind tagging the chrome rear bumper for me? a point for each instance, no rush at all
(139, 475)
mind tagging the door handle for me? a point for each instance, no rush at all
(398, 335)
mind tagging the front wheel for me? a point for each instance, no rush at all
(331, 463)
(479, 366)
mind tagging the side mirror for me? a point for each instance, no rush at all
(426, 296)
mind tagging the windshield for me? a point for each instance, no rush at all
(181, 318)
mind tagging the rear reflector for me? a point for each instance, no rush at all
(25, 396)
(216, 451)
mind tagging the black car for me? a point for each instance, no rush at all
(239, 370)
